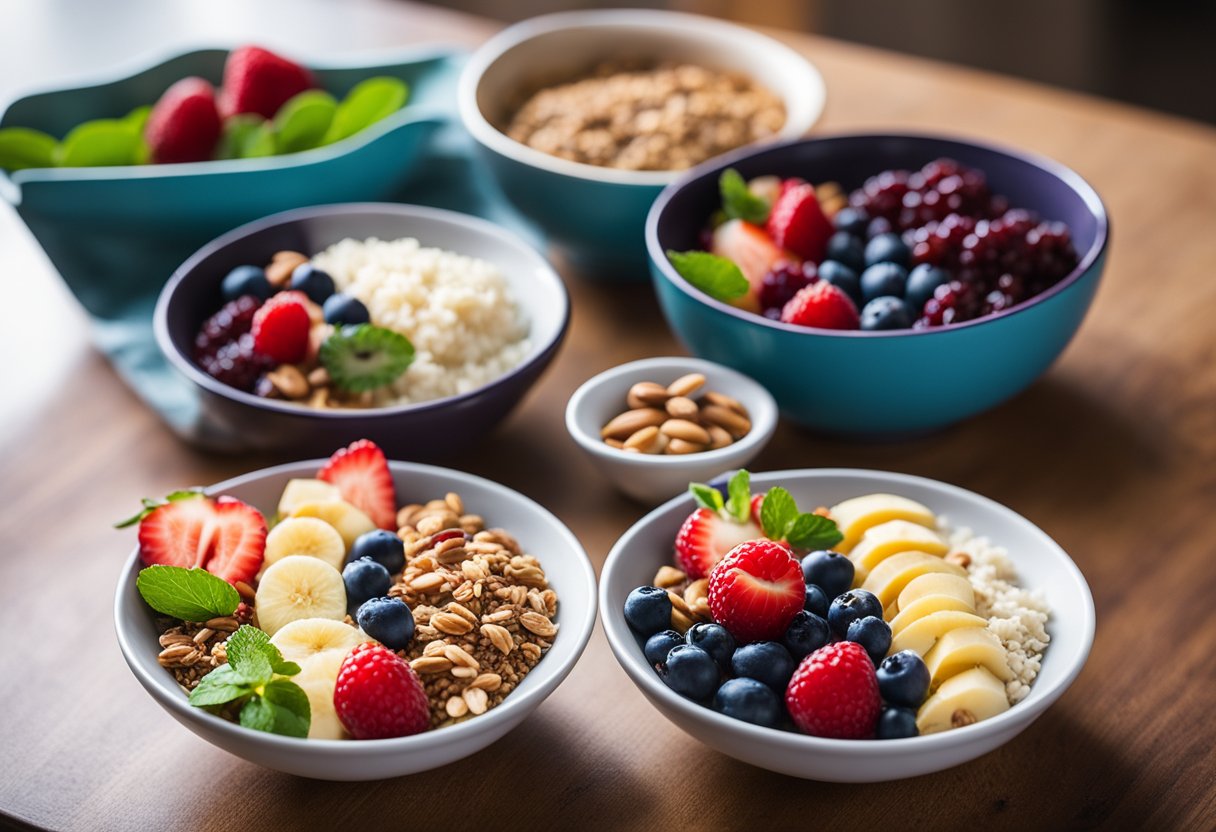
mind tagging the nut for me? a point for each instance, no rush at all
(282, 265)
(682, 407)
(734, 424)
(962, 717)
(289, 381)
(644, 439)
(961, 558)
(646, 394)
(538, 624)
(723, 400)
(683, 425)
(697, 589)
(669, 576)
(631, 421)
(686, 385)
(718, 437)
(686, 430)
(683, 446)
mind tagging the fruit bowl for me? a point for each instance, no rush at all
(595, 214)
(883, 383)
(567, 567)
(1040, 563)
(232, 420)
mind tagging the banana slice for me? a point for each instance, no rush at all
(304, 536)
(298, 492)
(348, 520)
(305, 638)
(920, 635)
(937, 583)
(928, 605)
(890, 538)
(857, 515)
(971, 696)
(317, 677)
(965, 648)
(296, 587)
(889, 578)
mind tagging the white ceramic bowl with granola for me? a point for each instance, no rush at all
(471, 682)
(1034, 609)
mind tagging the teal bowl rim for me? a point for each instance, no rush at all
(1092, 256)
(406, 115)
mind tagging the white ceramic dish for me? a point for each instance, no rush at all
(566, 564)
(1040, 563)
(652, 478)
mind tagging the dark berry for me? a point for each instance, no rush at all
(843, 278)
(845, 248)
(715, 640)
(387, 620)
(750, 701)
(873, 634)
(883, 280)
(691, 672)
(344, 310)
(648, 610)
(903, 679)
(783, 281)
(764, 661)
(887, 248)
(831, 571)
(851, 606)
(922, 281)
(234, 319)
(660, 644)
(238, 364)
(806, 634)
(852, 220)
(364, 579)
(877, 226)
(382, 546)
(314, 282)
(896, 724)
(886, 313)
(246, 280)
(816, 601)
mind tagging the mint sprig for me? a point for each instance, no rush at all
(738, 202)
(781, 520)
(150, 505)
(188, 594)
(737, 506)
(716, 276)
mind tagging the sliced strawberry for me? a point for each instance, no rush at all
(239, 541)
(363, 479)
(756, 590)
(706, 537)
(798, 223)
(823, 306)
(177, 533)
(753, 251)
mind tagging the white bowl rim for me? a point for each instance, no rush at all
(170, 696)
(760, 404)
(483, 131)
(621, 639)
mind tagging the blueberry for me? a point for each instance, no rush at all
(648, 610)
(852, 220)
(830, 571)
(691, 672)
(310, 280)
(387, 620)
(382, 546)
(883, 279)
(816, 601)
(850, 606)
(715, 640)
(764, 661)
(341, 309)
(806, 634)
(922, 280)
(364, 579)
(872, 633)
(903, 679)
(246, 280)
(877, 226)
(885, 313)
(660, 644)
(896, 723)
(843, 278)
(887, 248)
(750, 701)
(843, 247)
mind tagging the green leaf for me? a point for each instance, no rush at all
(251, 654)
(149, 505)
(260, 142)
(777, 512)
(22, 148)
(240, 131)
(738, 202)
(368, 102)
(706, 496)
(188, 594)
(739, 505)
(137, 119)
(102, 143)
(812, 531)
(219, 686)
(302, 122)
(282, 708)
(716, 276)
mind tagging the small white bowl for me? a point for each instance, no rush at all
(652, 478)
(566, 565)
(1040, 563)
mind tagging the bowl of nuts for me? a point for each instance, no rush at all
(583, 117)
(655, 425)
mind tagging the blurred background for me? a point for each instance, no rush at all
(1155, 53)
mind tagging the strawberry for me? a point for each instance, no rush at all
(823, 306)
(259, 81)
(834, 693)
(224, 536)
(281, 326)
(239, 541)
(705, 538)
(361, 473)
(797, 223)
(184, 126)
(753, 251)
(377, 695)
(756, 590)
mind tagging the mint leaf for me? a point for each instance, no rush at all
(240, 132)
(738, 202)
(777, 512)
(22, 148)
(706, 496)
(102, 143)
(219, 686)
(188, 594)
(739, 505)
(282, 708)
(368, 101)
(716, 276)
(249, 654)
(137, 119)
(302, 122)
(149, 505)
(812, 531)
(260, 142)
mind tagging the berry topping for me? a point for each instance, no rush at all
(756, 590)
(238, 541)
(887, 248)
(361, 473)
(848, 249)
(783, 281)
(660, 644)
(717, 526)
(313, 282)
(246, 280)
(648, 610)
(387, 620)
(851, 606)
(885, 313)
(896, 724)
(816, 600)
(873, 634)
(797, 223)
(766, 662)
(831, 571)
(903, 679)
(345, 310)
(883, 280)
(377, 695)
(364, 579)
(753, 251)
(224, 536)
(834, 693)
(280, 328)
(382, 546)
(851, 220)
(184, 126)
(259, 81)
(691, 672)
(750, 701)
(364, 357)
(715, 640)
(237, 364)
(234, 319)
(807, 632)
(843, 278)
(823, 306)
(923, 280)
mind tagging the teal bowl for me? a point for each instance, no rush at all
(872, 384)
(135, 224)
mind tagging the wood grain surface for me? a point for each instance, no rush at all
(1113, 453)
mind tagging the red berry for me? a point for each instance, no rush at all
(757, 502)
(184, 125)
(706, 537)
(224, 536)
(234, 319)
(361, 473)
(756, 590)
(238, 364)
(797, 223)
(259, 81)
(783, 281)
(239, 545)
(377, 695)
(821, 305)
(280, 327)
(834, 693)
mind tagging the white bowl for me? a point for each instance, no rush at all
(652, 478)
(566, 564)
(1040, 563)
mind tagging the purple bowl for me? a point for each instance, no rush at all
(235, 421)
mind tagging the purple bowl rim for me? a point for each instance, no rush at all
(1060, 171)
(187, 367)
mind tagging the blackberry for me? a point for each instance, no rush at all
(237, 364)
(234, 319)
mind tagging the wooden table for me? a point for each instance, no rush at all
(1113, 453)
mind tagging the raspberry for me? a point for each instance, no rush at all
(834, 693)
(756, 590)
(821, 305)
(280, 327)
(783, 281)
(377, 695)
(238, 364)
(234, 319)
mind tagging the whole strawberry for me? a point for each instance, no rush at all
(184, 126)
(377, 695)
(821, 305)
(259, 81)
(756, 590)
(797, 222)
(280, 327)
(834, 693)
